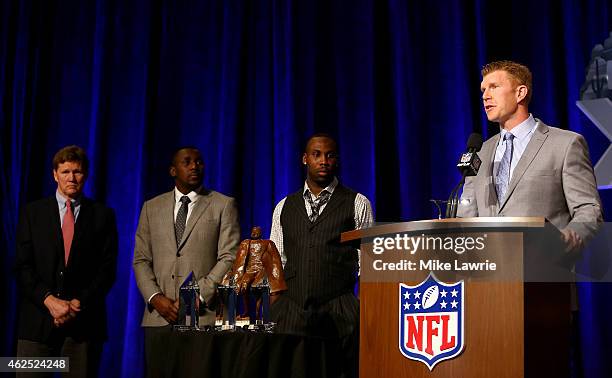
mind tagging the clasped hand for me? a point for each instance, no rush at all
(62, 311)
(167, 308)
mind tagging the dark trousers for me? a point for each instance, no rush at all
(84, 356)
(337, 319)
(156, 351)
(576, 368)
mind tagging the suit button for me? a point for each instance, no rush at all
(61, 274)
(173, 276)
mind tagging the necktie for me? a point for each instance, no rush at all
(316, 205)
(181, 219)
(502, 179)
(68, 230)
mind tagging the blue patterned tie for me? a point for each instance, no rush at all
(502, 179)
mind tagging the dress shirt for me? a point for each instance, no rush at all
(522, 135)
(193, 196)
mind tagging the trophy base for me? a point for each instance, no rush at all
(185, 328)
(226, 328)
(262, 327)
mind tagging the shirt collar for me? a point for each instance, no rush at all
(522, 129)
(61, 200)
(329, 188)
(193, 195)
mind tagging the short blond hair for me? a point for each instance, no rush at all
(518, 72)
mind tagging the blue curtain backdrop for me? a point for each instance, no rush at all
(396, 81)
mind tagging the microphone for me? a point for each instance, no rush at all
(474, 143)
(468, 165)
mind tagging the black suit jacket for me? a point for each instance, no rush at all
(89, 275)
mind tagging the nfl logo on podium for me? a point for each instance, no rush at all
(431, 321)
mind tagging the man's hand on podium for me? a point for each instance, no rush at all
(572, 240)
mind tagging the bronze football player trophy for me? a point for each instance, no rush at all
(257, 273)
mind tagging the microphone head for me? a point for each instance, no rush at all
(474, 142)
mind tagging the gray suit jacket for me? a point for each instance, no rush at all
(554, 179)
(208, 248)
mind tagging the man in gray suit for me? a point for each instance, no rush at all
(529, 168)
(187, 229)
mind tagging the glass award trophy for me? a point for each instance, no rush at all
(227, 310)
(259, 307)
(189, 305)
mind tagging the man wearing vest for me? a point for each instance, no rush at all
(319, 270)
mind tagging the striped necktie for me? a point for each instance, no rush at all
(502, 179)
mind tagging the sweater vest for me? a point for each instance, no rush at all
(319, 267)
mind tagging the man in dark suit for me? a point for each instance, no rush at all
(188, 229)
(320, 272)
(65, 265)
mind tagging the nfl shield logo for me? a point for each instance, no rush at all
(466, 157)
(431, 321)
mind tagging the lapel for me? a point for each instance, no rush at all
(199, 207)
(56, 227)
(336, 200)
(537, 140)
(489, 156)
(490, 196)
(167, 219)
(85, 214)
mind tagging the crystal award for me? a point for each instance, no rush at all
(227, 310)
(189, 305)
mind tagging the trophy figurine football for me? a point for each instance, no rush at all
(258, 274)
(189, 305)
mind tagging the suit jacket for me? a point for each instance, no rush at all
(88, 276)
(554, 179)
(208, 248)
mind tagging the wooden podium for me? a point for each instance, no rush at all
(516, 318)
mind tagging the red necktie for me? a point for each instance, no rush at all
(68, 230)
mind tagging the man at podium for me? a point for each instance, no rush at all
(530, 168)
